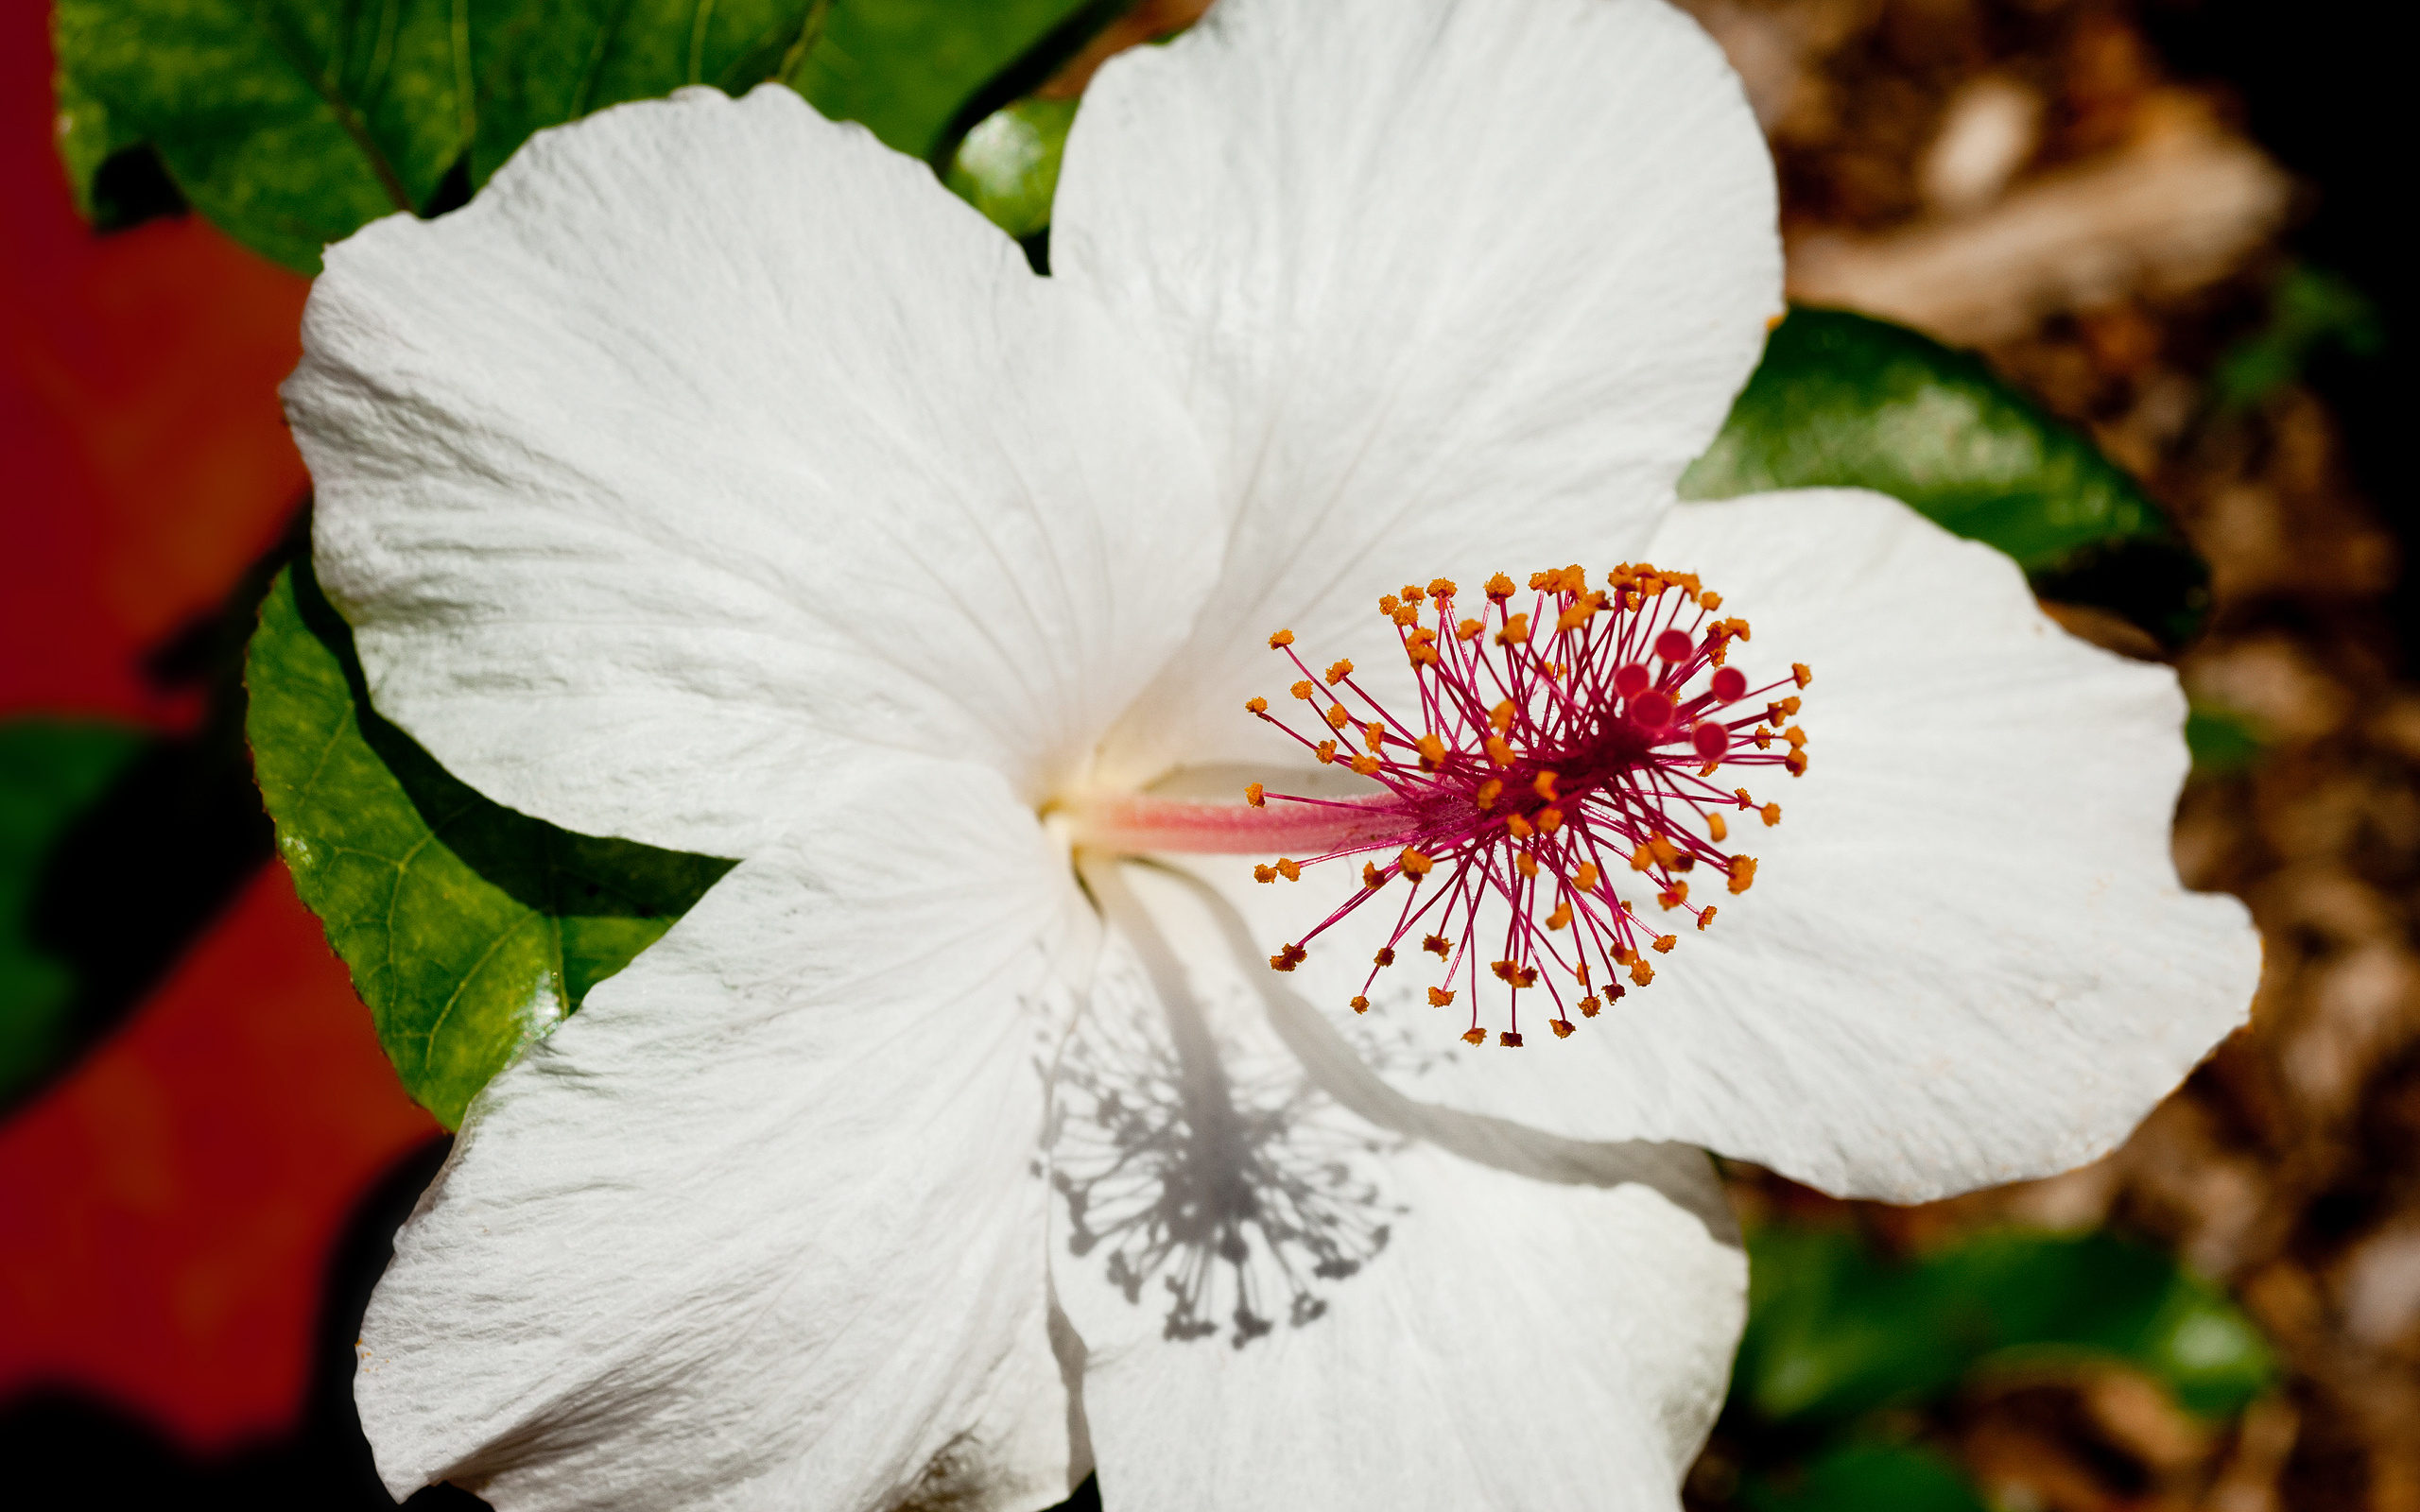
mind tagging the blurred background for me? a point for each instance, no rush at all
(2165, 220)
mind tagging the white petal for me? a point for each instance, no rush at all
(1285, 1304)
(1450, 284)
(713, 434)
(762, 1226)
(1965, 958)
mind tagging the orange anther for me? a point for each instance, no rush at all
(1440, 588)
(1743, 873)
(1515, 631)
(1255, 796)
(1745, 801)
(1473, 1036)
(1664, 849)
(1764, 739)
(1795, 736)
(1256, 706)
(1304, 690)
(1674, 896)
(1468, 628)
(1337, 673)
(1798, 670)
(1585, 878)
(1326, 751)
(1549, 819)
(1281, 638)
(1336, 716)
(1524, 863)
(1519, 827)
(1772, 813)
(1288, 958)
(1573, 617)
(1388, 603)
(1415, 865)
(1433, 751)
(1710, 602)
(1437, 945)
(1543, 783)
(1440, 998)
(1642, 858)
(1505, 971)
(1410, 614)
(1367, 766)
(1641, 973)
(1372, 877)
(1581, 973)
(1386, 955)
(1562, 1029)
(1499, 588)
(1501, 716)
(1795, 763)
(1264, 873)
(1561, 918)
(1706, 917)
(1718, 827)
(1290, 870)
(1489, 792)
(1412, 593)
(1373, 735)
(1497, 752)
(1510, 1039)
(1588, 1007)
(1789, 706)
(1361, 1004)
(1663, 943)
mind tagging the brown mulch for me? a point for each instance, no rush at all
(2285, 1168)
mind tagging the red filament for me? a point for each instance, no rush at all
(1546, 759)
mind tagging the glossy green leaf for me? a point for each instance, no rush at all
(906, 67)
(470, 929)
(1844, 401)
(555, 61)
(1868, 1478)
(292, 123)
(50, 772)
(1008, 166)
(1834, 1331)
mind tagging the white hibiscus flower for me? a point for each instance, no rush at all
(715, 480)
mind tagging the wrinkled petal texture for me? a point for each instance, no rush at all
(1286, 1305)
(1965, 958)
(1451, 286)
(762, 1226)
(713, 436)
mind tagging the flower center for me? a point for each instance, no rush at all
(1555, 751)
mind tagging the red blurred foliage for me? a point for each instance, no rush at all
(147, 461)
(172, 1201)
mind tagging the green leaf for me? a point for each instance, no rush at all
(1844, 401)
(555, 61)
(470, 929)
(2222, 740)
(905, 67)
(50, 772)
(288, 124)
(1834, 1331)
(2310, 310)
(1008, 166)
(1868, 1478)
